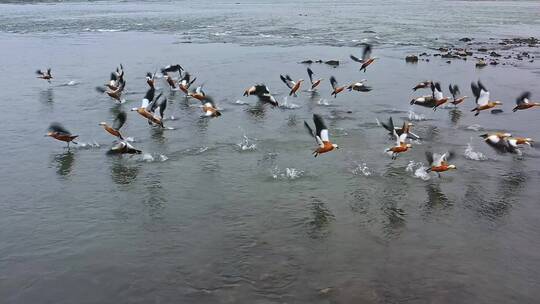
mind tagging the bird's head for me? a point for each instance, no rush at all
(452, 167)
(497, 102)
(335, 146)
(103, 124)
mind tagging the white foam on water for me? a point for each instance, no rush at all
(361, 169)
(416, 117)
(418, 169)
(287, 174)
(473, 155)
(149, 158)
(286, 105)
(475, 127)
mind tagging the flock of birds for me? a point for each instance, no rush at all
(152, 109)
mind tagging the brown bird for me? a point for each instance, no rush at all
(422, 85)
(123, 147)
(114, 94)
(314, 84)
(359, 86)
(523, 103)
(482, 98)
(439, 162)
(320, 135)
(401, 145)
(438, 95)
(46, 75)
(186, 82)
(58, 132)
(337, 89)
(454, 90)
(294, 86)
(262, 92)
(169, 80)
(366, 58)
(209, 107)
(114, 130)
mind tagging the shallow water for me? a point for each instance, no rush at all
(235, 209)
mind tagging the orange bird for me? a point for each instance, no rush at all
(523, 103)
(482, 98)
(114, 130)
(294, 86)
(337, 89)
(366, 58)
(439, 162)
(58, 132)
(321, 136)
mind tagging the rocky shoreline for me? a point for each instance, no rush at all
(508, 51)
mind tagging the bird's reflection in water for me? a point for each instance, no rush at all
(123, 173)
(202, 124)
(292, 120)
(47, 95)
(157, 134)
(155, 197)
(320, 220)
(455, 115)
(432, 133)
(257, 111)
(115, 110)
(64, 163)
(393, 190)
(436, 199)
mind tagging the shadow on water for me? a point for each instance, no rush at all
(436, 199)
(64, 163)
(393, 190)
(455, 115)
(123, 173)
(155, 198)
(320, 220)
(503, 198)
(157, 134)
(47, 95)
(256, 112)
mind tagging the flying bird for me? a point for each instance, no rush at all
(186, 82)
(46, 75)
(401, 145)
(321, 136)
(209, 107)
(170, 81)
(523, 103)
(123, 147)
(172, 68)
(366, 58)
(114, 130)
(454, 90)
(314, 84)
(359, 86)
(58, 132)
(114, 94)
(482, 98)
(405, 128)
(499, 142)
(438, 95)
(336, 89)
(262, 92)
(439, 162)
(294, 86)
(422, 85)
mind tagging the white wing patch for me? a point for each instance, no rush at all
(484, 98)
(324, 135)
(145, 103)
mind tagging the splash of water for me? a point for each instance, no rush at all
(323, 102)
(286, 105)
(246, 143)
(287, 174)
(418, 169)
(149, 158)
(475, 127)
(88, 145)
(473, 155)
(416, 117)
(361, 169)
